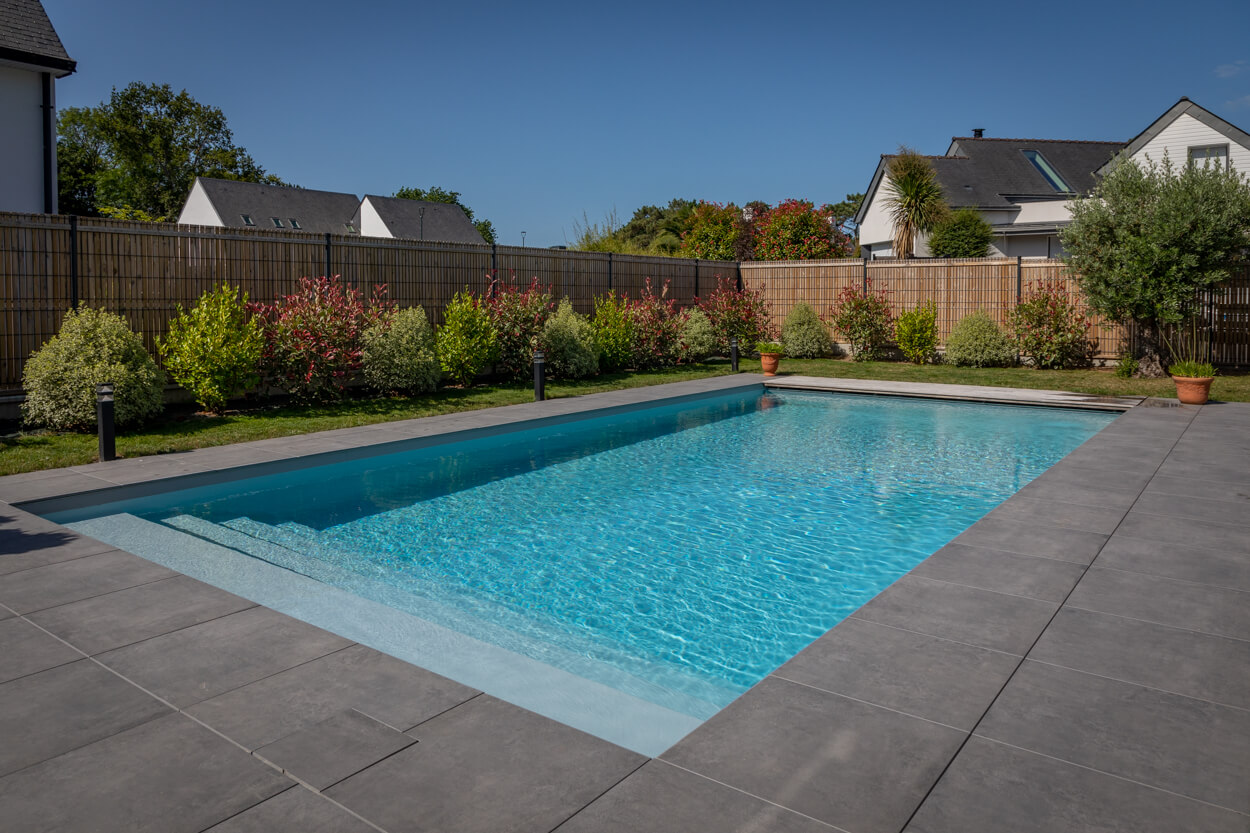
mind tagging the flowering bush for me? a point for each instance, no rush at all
(614, 331)
(804, 335)
(398, 353)
(466, 341)
(916, 333)
(865, 318)
(657, 330)
(517, 316)
(313, 337)
(214, 350)
(1051, 329)
(977, 341)
(93, 347)
(569, 343)
(797, 230)
(743, 314)
(698, 339)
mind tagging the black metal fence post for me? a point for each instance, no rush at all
(329, 272)
(1019, 281)
(609, 271)
(865, 276)
(540, 376)
(696, 279)
(104, 421)
(73, 261)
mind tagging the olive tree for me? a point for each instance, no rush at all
(1150, 237)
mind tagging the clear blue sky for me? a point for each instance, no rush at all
(539, 112)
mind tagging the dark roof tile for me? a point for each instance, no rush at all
(443, 222)
(27, 36)
(318, 211)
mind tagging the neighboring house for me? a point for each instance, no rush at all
(415, 220)
(1022, 186)
(230, 204)
(31, 59)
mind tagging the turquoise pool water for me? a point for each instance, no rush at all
(678, 553)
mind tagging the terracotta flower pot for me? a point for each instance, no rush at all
(769, 362)
(1193, 390)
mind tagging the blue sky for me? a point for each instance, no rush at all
(540, 112)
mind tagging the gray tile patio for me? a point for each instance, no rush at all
(1077, 661)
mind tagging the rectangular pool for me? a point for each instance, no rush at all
(629, 574)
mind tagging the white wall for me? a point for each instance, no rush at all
(199, 210)
(1178, 137)
(876, 230)
(21, 140)
(1028, 245)
(371, 224)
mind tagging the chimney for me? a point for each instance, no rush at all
(978, 132)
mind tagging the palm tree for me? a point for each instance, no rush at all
(913, 197)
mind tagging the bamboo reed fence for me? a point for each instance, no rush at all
(145, 271)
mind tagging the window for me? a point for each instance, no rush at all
(277, 223)
(1208, 155)
(350, 228)
(1044, 168)
(247, 219)
(294, 222)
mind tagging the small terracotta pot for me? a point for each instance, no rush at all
(1193, 390)
(769, 362)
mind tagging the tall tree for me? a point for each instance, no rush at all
(913, 197)
(843, 213)
(714, 232)
(437, 194)
(138, 153)
(1148, 239)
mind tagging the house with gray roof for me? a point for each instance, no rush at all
(1022, 187)
(229, 204)
(32, 57)
(415, 220)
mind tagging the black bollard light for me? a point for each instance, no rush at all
(540, 376)
(104, 421)
(733, 354)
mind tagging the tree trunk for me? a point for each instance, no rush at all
(1151, 360)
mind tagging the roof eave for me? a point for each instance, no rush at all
(60, 67)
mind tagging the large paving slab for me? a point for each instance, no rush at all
(1077, 661)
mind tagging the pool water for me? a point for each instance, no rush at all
(679, 553)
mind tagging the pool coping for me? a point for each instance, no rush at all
(947, 742)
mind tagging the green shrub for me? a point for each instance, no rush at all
(866, 319)
(398, 353)
(614, 332)
(964, 233)
(1126, 366)
(1051, 328)
(656, 330)
(916, 333)
(569, 344)
(518, 316)
(804, 335)
(743, 314)
(214, 350)
(93, 347)
(698, 338)
(977, 341)
(466, 341)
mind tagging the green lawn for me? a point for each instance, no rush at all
(182, 431)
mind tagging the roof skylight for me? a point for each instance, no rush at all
(277, 222)
(247, 219)
(1045, 169)
(294, 222)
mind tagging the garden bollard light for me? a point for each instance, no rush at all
(104, 421)
(733, 354)
(540, 376)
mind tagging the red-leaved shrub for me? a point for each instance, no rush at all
(518, 316)
(741, 313)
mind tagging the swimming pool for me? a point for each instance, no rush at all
(675, 555)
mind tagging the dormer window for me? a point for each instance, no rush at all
(1046, 170)
(247, 219)
(294, 223)
(277, 222)
(1209, 155)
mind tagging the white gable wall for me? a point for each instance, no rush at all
(371, 224)
(876, 232)
(199, 209)
(21, 140)
(1178, 137)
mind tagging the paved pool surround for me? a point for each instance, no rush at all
(1077, 660)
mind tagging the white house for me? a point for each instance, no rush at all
(225, 203)
(1022, 186)
(31, 59)
(415, 220)
(229, 204)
